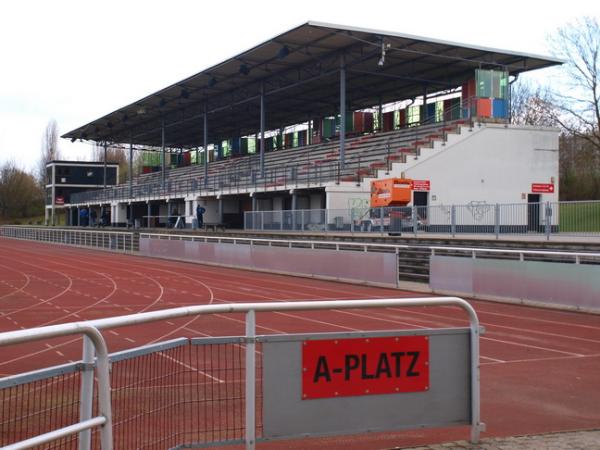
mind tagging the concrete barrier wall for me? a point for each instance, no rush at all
(369, 267)
(574, 286)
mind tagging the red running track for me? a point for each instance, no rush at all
(540, 368)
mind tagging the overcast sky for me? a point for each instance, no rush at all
(75, 61)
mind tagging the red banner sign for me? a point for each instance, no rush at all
(365, 366)
(421, 185)
(544, 188)
(59, 201)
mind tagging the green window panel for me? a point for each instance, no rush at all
(414, 114)
(439, 111)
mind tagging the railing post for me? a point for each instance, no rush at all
(87, 392)
(415, 222)
(497, 220)
(548, 214)
(381, 219)
(250, 379)
(453, 220)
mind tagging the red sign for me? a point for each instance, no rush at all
(421, 185)
(59, 201)
(365, 366)
(544, 188)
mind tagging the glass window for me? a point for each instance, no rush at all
(439, 111)
(251, 145)
(414, 114)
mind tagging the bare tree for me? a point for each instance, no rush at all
(578, 102)
(531, 105)
(49, 152)
(114, 154)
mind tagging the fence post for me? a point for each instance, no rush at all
(87, 392)
(381, 219)
(453, 220)
(250, 379)
(302, 220)
(497, 220)
(548, 214)
(414, 220)
(262, 221)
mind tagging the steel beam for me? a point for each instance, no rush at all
(205, 146)
(163, 155)
(130, 170)
(342, 110)
(262, 130)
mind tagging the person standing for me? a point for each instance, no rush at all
(200, 210)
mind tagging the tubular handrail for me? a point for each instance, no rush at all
(517, 252)
(104, 419)
(338, 244)
(91, 329)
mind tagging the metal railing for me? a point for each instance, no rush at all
(150, 428)
(118, 241)
(103, 420)
(471, 252)
(495, 219)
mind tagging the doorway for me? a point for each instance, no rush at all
(533, 212)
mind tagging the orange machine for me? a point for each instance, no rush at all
(391, 192)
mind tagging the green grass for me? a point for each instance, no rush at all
(581, 217)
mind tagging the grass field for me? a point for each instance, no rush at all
(580, 217)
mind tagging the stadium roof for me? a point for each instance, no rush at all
(299, 71)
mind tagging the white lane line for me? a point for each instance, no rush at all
(492, 359)
(531, 346)
(553, 358)
(113, 332)
(187, 366)
(487, 338)
(129, 339)
(60, 353)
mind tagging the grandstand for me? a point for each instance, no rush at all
(305, 120)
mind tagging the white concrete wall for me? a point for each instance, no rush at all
(119, 213)
(496, 165)
(347, 196)
(212, 210)
(477, 168)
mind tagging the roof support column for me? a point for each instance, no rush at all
(205, 146)
(162, 154)
(425, 118)
(262, 130)
(130, 169)
(342, 110)
(380, 116)
(105, 149)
